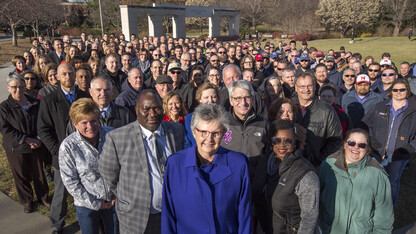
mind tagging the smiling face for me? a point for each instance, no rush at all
(52, 77)
(16, 89)
(282, 148)
(305, 88)
(83, 79)
(241, 102)
(207, 146)
(88, 127)
(101, 93)
(354, 153)
(149, 111)
(174, 106)
(398, 95)
(30, 81)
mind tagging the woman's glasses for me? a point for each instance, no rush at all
(360, 145)
(286, 141)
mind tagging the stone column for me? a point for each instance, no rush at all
(178, 26)
(214, 25)
(155, 25)
(128, 21)
(234, 25)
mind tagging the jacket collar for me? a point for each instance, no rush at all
(32, 102)
(220, 169)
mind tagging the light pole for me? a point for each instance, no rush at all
(101, 19)
(353, 22)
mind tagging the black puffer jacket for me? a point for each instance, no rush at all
(377, 122)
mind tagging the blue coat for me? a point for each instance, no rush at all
(219, 202)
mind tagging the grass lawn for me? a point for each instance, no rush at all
(399, 47)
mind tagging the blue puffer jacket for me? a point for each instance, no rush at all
(377, 122)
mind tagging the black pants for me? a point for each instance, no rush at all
(26, 168)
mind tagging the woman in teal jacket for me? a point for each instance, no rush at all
(355, 190)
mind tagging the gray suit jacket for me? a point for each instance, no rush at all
(123, 165)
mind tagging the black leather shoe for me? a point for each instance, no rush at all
(28, 207)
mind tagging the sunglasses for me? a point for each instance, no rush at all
(214, 61)
(304, 61)
(31, 78)
(388, 74)
(373, 70)
(177, 72)
(286, 141)
(360, 145)
(350, 76)
(397, 90)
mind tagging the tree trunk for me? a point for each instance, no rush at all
(396, 29)
(14, 35)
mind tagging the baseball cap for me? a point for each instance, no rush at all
(342, 48)
(385, 62)
(274, 55)
(297, 60)
(259, 57)
(304, 43)
(337, 55)
(174, 66)
(304, 57)
(329, 58)
(362, 78)
(164, 79)
(319, 54)
(245, 46)
(265, 55)
(128, 45)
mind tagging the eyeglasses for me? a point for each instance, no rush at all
(177, 72)
(305, 86)
(286, 141)
(373, 70)
(353, 76)
(397, 90)
(214, 75)
(30, 78)
(360, 145)
(240, 99)
(205, 134)
(14, 87)
(388, 74)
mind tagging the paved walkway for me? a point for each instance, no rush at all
(14, 221)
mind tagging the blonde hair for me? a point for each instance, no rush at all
(83, 107)
(167, 98)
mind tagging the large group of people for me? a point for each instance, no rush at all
(179, 135)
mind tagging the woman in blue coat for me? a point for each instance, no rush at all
(206, 187)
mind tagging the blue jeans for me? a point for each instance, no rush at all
(89, 220)
(395, 170)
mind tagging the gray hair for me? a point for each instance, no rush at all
(134, 68)
(288, 69)
(184, 54)
(102, 78)
(14, 76)
(303, 76)
(349, 69)
(242, 84)
(210, 112)
(230, 66)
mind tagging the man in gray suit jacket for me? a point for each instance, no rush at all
(132, 164)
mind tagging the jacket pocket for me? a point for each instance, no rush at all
(123, 206)
(362, 226)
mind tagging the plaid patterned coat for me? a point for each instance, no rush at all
(124, 166)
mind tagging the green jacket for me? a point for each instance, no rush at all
(357, 200)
